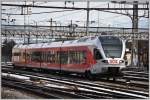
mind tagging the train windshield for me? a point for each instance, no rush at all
(112, 46)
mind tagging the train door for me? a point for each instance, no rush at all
(98, 58)
(97, 55)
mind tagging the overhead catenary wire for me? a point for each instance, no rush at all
(62, 11)
(76, 8)
(41, 12)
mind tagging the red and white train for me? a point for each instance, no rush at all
(90, 55)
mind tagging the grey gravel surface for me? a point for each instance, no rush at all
(10, 93)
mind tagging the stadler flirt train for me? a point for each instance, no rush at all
(101, 55)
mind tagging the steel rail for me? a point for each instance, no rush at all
(131, 77)
(134, 72)
(137, 75)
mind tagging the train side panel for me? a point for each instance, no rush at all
(75, 59)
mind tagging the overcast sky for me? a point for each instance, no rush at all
(105, 19)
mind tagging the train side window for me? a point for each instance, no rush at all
(48, 57)
(97, 54)
(24, 55)
(16, 54)
(83, 57)
(45, 56)
(42, 56)
(36, 56)
(57, 57)
(28, 56)
(64, 57)
(77, 57)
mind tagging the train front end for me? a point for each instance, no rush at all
(110, 54)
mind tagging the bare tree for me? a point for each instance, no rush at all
(7, 49)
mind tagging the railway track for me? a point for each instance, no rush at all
(127, 80)
(103, 90)
(77, 93)
(128, 75)
(137, 76)
(47, 92)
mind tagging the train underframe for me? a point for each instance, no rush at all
(112, 72)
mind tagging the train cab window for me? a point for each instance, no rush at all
(97, 54)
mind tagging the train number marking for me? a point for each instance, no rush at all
(113, 62)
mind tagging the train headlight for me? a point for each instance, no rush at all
(121, 61)
(105, 61)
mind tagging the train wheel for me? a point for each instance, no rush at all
(89, 75)
(114, 79)
(107, 78)
(15, 67)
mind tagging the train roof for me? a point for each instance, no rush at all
(86, 41)
(51, 45)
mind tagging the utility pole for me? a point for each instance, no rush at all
(28, 38)
(36, 32)
(135, 17)
(134, 54)
(98, 19)
(98, 23)
(70, 27)
(51, 23)
(87, 21)
(8, 19)
(24, 15)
